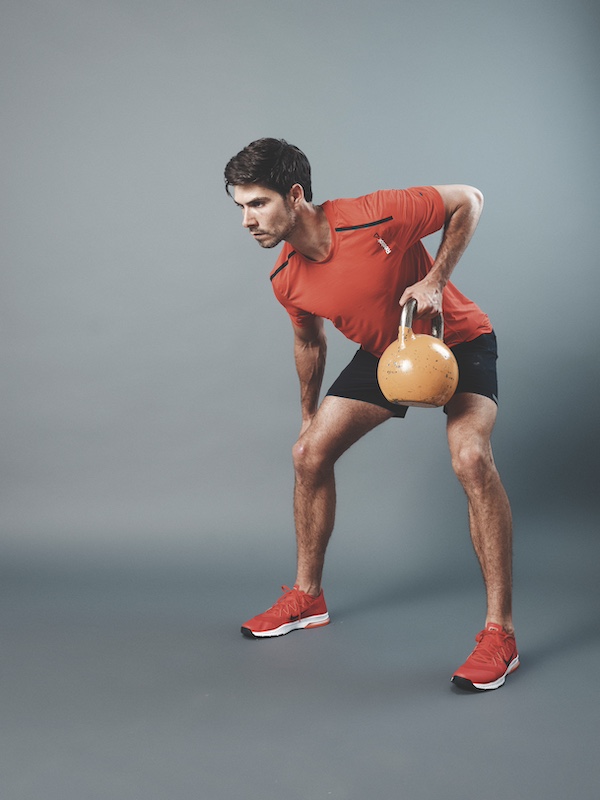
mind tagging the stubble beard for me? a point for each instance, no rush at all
(285, 231)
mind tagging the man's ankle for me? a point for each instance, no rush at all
(506, 624)
(312, 589)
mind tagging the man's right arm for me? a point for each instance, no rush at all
(310, 350)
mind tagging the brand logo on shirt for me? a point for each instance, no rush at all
(386, 247)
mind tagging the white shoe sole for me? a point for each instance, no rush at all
(465, 683)
(316, 621)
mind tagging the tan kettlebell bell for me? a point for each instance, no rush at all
(418, 369)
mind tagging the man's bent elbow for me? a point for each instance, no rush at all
(460, 197)
(471, 196)
(477, 198)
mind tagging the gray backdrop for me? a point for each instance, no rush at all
(149, 399)
(149, 395)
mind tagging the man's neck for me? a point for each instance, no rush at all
(312, 234)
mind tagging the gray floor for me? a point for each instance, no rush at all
(134, 683)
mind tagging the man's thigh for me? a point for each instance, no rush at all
(470, 419)
(340, 422)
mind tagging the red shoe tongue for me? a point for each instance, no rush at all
(492, 626)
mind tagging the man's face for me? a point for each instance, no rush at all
(268, 216)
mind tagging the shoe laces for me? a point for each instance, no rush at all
(290, 603)
(490, 645)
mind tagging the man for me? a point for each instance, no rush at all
(357, 262)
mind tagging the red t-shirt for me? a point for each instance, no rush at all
(376, 252)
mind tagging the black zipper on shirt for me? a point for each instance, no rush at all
(285, 263)
(366, 225)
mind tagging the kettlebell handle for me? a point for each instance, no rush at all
(406, 320)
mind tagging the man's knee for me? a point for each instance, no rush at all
(310, 457)
(473, 463)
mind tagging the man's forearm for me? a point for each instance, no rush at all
(310, 364)
(463, 206)
(458, 231)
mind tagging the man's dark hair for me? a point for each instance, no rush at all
(272, 163)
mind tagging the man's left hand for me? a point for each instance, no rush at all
(428, 296)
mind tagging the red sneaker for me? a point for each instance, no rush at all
(293, 610)
(494, 657)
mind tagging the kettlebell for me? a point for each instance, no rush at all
(418, 369)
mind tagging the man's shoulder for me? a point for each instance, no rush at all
(384, 204)
(361, 200)
(373, 206)
(351, 204)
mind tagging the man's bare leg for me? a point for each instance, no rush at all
(471, 420)
(336, 426)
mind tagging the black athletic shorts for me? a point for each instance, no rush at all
(476, 374)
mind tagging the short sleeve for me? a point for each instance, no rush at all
(417, 212)
(282, 286)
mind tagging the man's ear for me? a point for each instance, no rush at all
(296, 194)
